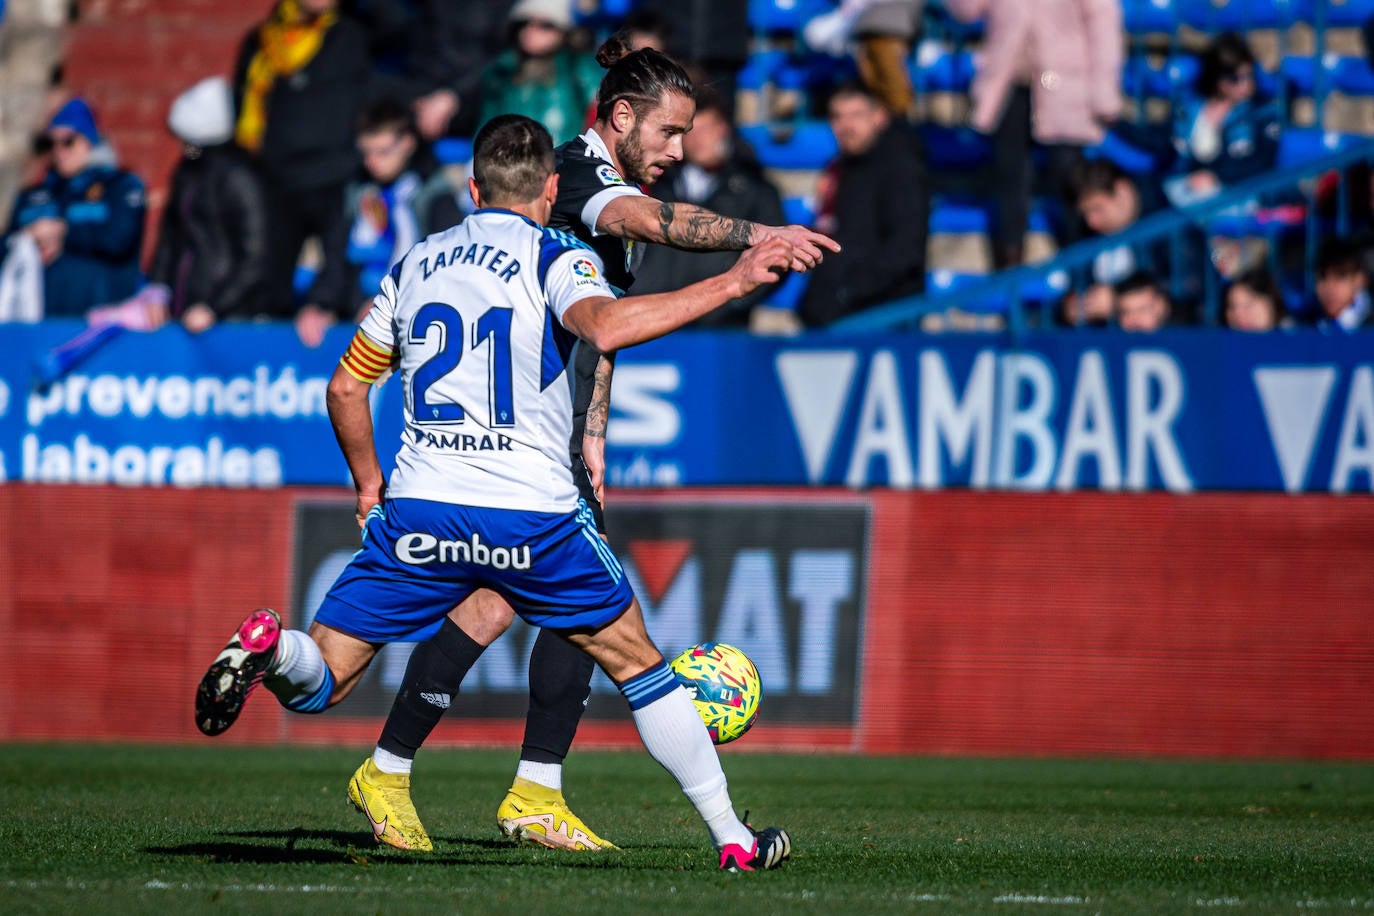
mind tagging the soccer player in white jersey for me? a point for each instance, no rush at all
(480, 319)
(645, 104)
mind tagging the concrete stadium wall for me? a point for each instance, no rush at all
(976, 623)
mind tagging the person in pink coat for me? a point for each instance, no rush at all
(1050, 72)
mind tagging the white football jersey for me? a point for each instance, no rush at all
(475, 314)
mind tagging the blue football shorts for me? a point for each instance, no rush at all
(420, 559)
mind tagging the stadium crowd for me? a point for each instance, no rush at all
(334, 146)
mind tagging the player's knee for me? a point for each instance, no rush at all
(483, 616)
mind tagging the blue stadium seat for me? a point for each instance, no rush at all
(1300, 145)
(603, 11)
(950, 216)
(1236, 15)
(789, 292)
(453, 150)
(939, 24)
(302, 279)
(799, 211)
(784, 15)
(1300, 73)
(935, 69)
(1148, 17)
(957, 218)
(954, 149)
(1043, 288)
(1142, 79)
(760, 69)
(805, 145)
(1339, 13)
(1131, 158)
(1351, 75)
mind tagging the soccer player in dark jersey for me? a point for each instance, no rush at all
(645, 105)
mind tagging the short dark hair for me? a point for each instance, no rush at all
(1262, 283)
(853, 89)
(386, 114)
(1095, 176)
(1222, 58)
(639, 77)
(1339, 256)
(512, 157)
(1139, 282)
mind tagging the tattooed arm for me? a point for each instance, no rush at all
(594, 435)
(694, 228)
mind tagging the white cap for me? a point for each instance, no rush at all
(204, 114)
(559, 12)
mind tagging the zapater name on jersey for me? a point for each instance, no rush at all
(488, 410)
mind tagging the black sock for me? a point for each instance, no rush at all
(560, 682)
(436, 669)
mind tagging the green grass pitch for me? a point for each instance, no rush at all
(217, 829)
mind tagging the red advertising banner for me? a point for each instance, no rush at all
(950, 622)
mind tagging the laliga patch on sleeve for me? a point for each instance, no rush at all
(584, 273)
(608, 175)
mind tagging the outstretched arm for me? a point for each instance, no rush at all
(694, 228)
(609, 324)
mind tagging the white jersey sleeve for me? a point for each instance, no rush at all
(379, 324)
(575, 274)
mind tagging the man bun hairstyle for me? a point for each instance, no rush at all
(512, 157)
(639, 77)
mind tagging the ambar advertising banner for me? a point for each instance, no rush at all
(1179, 411)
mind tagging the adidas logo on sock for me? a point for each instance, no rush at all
(441, 700)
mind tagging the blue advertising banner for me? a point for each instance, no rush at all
(1178, 411)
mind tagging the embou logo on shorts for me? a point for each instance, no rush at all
(418, 548)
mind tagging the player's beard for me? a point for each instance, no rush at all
(630, 152)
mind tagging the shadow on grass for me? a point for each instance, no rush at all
(337, 847)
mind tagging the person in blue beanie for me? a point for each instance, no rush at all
(86, 217)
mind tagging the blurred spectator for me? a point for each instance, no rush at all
(403, 197)
(1142, 305)
(647, 29)
(212, 245)
(300, 80)
(721, 174)
(875, 202)
(885, 31)
(1342, 287)
(1049, 71)
(453, 42)
(1110, 201)
(1254, 303)
(1224, 134)
(539, 75)
(85, 218)
(711, 36)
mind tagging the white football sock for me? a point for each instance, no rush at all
(546, 774)
(674, 736)
(388, 762)
(298, 670)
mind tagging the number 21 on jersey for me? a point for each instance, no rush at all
(493, 328)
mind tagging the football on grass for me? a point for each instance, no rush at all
(725, 687)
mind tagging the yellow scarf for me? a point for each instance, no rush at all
(287, 41)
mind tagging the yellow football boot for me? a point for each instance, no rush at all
(384, 798)
(538, 814)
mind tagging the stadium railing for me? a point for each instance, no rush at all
(1006, 292)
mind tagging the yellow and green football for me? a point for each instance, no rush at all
(724, 685)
